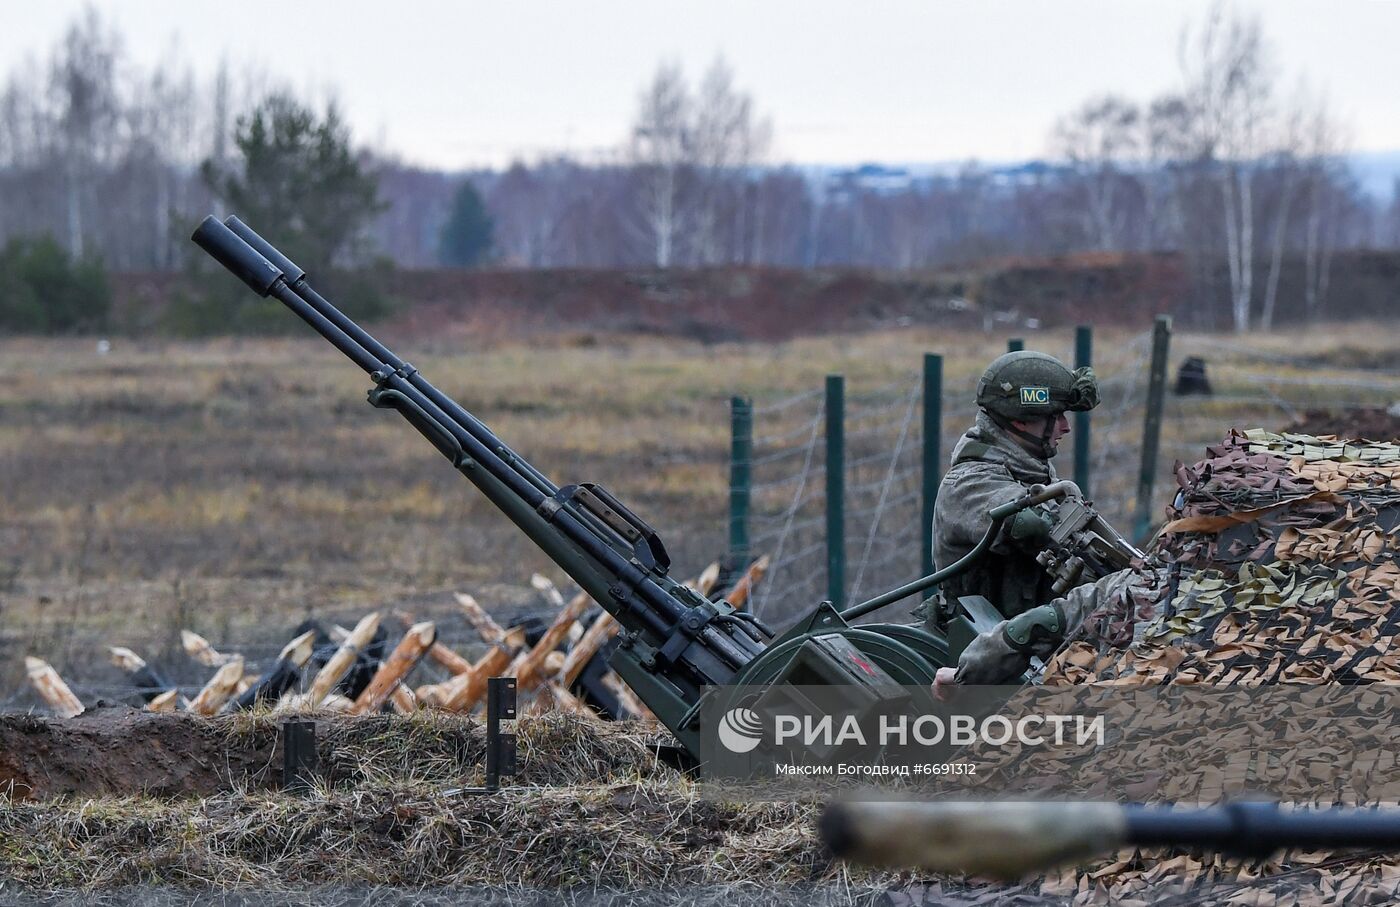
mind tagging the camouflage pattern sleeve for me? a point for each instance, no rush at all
(968, 492)
(992, 657)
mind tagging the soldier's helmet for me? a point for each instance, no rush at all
(1027, 385)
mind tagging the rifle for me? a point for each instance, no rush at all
(675, 643)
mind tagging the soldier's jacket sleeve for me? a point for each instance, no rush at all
(968, 492)
(991, 659)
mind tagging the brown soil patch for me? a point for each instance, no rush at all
(119, 750)
(1363, 423)
(115, 750)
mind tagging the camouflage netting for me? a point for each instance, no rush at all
(1284, 567)
(1284, 570)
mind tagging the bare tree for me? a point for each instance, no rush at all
(660, 152)
(83, 91)
(726, 140)
(1286, 171)
(1324, 143)
(1228, 85)
(1100, 141)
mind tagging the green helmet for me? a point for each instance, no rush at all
(1027, 385)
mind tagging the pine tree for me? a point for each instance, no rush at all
(466, 238)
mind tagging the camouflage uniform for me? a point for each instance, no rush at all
(1004, 652)
(996, 462)
(990, 468)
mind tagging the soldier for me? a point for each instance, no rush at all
(1023, 397)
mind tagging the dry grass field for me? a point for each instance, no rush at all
(236, 487)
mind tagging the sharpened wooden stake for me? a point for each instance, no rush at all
(403, 659)
(165, 702)
(148, 681)
(344, 658)
(198, 648)
(52, 688)
(627, 698)
(598, 633)
(486, 628)
(529, 665)
(403, 700)
(461, 693)
(568, 702)
(126, 659)
(551, 592)
(739, 595)
(284, 673)
(219, 689)
(705, 582)
(438, 652)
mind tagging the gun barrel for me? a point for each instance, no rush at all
(260, 274)
(299, 281)
(1011, 840)
(596, 555)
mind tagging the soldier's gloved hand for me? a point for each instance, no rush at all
(945, 682)
(1030, 528)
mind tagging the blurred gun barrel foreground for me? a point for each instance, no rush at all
(1013, 840)
(676, 643)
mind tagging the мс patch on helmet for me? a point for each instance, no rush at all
(1030, 385)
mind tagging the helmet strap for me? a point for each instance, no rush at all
(1041, 442)
(1046, 448)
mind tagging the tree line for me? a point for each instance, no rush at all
(109, 162)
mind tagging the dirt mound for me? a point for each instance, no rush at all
(1368, 423)
(774, 304)
(115, 750)
(712, 305)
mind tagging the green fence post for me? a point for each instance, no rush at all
(1083, 357)
(1015, 345)
(740, 479)
(836, 489)
(933, 451)
(1152, 423)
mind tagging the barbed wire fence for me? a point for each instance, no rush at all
(883, 495)
(883, 469)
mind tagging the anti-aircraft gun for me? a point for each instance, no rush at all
(676, 646)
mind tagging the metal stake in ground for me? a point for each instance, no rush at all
(298, 755)
(500, 748)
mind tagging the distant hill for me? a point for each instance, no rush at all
(773, 304)
(1376, 172)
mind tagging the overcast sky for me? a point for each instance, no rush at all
(464, 84)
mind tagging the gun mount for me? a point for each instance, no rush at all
(1083, 547)
(676, 646)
